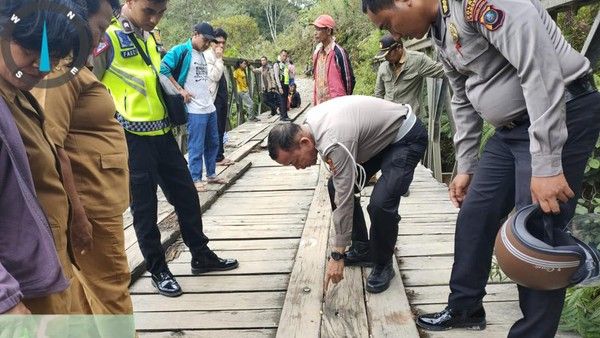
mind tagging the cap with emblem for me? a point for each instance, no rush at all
(386, 44)
(206, 30)
(324, 21)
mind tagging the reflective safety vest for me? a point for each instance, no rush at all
(134, 85)
(284, 73)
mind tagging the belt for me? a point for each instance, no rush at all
(582, 86)
(407, 125)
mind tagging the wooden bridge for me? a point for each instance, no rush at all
(276, 221)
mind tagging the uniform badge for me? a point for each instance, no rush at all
(102, 47)
(492, 18)
(455, 37)
(474, 9)
(129, 53)
(157, 36)
(124, 40)
(445, 8)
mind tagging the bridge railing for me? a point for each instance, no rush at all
(438, 91)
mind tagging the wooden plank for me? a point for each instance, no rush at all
(496, 313)
(433, 277)
(247, 255)
(405, 240)
(258, 244)
(230, 220)
(300, 316)
(169, 231)
(206, 320)
(253, 232)
(245, 268)
(491, 331)
(444, 228)
(439, 294)
(432, 249)
(246, 333)
(211, 284)
(426, 262)
(344, 311)
(209, 302)
(389, 312)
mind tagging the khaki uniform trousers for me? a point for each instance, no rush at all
(101, 286)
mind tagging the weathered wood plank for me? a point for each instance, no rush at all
(247, 255)
(389, 312)
(439, 294)
(257, 244)
(246, 267)
(432, 277)
(247, 333)
(252, 232)
(300, 316)
(209, 302)
(211, 284)
(206, 320)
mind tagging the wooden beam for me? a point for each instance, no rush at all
(591, 47)
(301, 314)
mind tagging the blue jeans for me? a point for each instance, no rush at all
(203, 141)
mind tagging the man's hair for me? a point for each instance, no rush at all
(283, 136)
(238, 63)
(62, 32)
(264, 57)
(284, 50)
(376, 5)
(219, 32)
(93, 6)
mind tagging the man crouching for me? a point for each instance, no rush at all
(357, 136)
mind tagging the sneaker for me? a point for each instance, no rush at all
(209, 261)
(166, 284)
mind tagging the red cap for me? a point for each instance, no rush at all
(324, 21)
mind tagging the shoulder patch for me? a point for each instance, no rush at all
(124, 40)
(492, 18)
(102, 47)
(157, 37)
(474, 9)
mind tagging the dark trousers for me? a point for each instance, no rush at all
(221, 105)
(397, 163)
(501, 182)
(283, 101)
(157, 160)
(271, 99)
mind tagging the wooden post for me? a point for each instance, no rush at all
(591, 47)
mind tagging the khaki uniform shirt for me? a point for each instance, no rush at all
(45, 168)
(404, 84)
(80, 119)
(502, 58)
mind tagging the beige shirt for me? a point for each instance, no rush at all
(363, 125)
(80, 119)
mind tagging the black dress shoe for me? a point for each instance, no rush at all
(380, 277)
(285, 119)
(358, 254)
(166, 284)
(451, 319)
(209, 261)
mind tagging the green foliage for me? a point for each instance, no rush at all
(581, 312)
(590, 194)
(242, 33)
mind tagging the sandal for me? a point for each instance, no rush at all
(200, 186)
(216, 180)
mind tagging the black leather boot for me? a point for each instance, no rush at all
(207, 261)
(451, 319)
(166, 284)
(358, 254)
(380, 277)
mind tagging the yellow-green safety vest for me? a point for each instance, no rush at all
(134, 85)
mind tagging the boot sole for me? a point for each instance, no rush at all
(198, 271)
(167, 294)
(471, 326)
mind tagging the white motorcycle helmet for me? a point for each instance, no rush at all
(532, 262)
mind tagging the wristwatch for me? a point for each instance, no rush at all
(337, 256)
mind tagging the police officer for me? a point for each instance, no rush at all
(154, 156)
(508, 64)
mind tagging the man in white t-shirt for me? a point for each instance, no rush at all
(191, 70)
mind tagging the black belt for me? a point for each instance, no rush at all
(582, 86)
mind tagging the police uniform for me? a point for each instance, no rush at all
(509, 65)
(154, 156)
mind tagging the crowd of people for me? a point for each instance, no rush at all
(78, 145)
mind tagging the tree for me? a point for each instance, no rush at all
(243, 34)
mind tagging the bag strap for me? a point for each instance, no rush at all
(142, 52)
